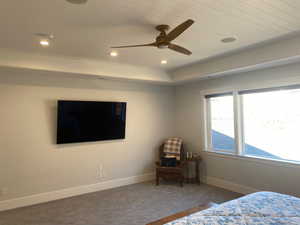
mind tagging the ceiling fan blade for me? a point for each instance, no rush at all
(131, 46)
(178, 30)
(180, 49)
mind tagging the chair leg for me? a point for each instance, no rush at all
(157, 179)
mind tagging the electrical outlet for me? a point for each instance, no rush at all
(101, 171)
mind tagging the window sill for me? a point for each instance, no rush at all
(271, 162)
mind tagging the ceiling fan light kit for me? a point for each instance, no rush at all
(164, 39)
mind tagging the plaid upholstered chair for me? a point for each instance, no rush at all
(171, 162)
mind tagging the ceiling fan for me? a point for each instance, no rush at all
(163, 40)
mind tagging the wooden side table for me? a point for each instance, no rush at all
(196, 178)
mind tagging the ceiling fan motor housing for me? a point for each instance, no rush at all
(161, 37)
(160, 43)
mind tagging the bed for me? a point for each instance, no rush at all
(261, 208)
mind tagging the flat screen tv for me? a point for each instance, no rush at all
(82, 121)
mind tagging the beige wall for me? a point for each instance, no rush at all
(31, 162)
(189, 114)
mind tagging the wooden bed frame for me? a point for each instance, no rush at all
(182, 214)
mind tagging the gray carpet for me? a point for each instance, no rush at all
(130, 205)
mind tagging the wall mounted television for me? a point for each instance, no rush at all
(85, 121)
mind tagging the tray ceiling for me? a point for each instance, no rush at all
(87, 31)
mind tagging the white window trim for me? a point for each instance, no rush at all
(207, 125)
(207, 130)
(238, 123)
(268, 161)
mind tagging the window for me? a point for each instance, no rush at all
(271, 124)
(222, 123)
(262, 123)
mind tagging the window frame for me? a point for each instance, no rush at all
(238, 124)
(209, 125)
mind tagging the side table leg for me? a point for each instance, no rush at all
(197, 172)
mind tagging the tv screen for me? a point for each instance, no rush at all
(82, 121)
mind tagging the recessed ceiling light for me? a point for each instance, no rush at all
(163, 61)
(113, 54)
(77, 1)
(44, 38)
(44, 42)
(228, 39)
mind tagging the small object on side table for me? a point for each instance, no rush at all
(196, 179)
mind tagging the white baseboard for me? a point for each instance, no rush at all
(70, 192)
(229, 185)
(84, 189)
